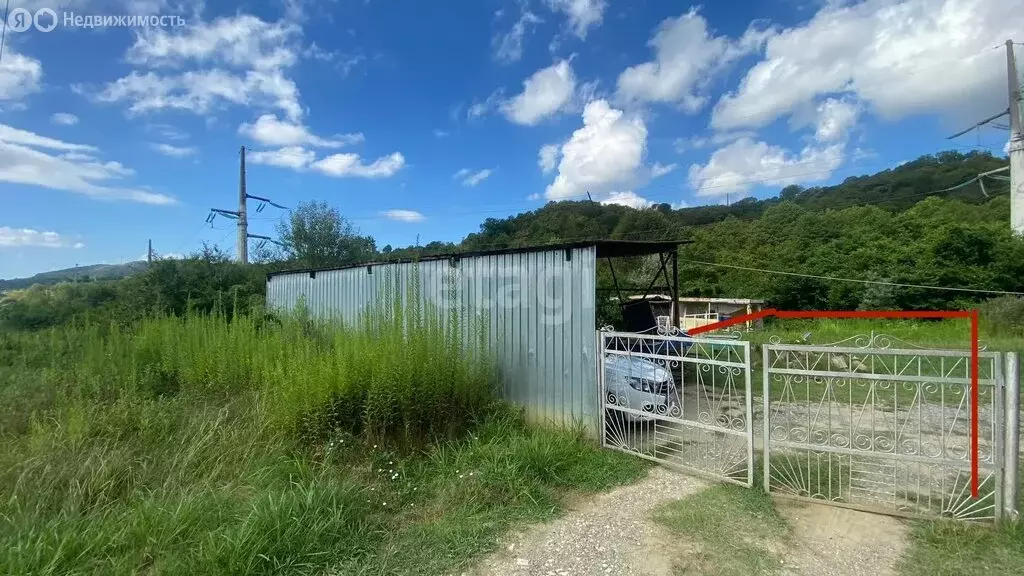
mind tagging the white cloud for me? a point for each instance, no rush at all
(901, 57)
(241, 41)
(13, 135)
(582, 14)
(683, 145)
(835, 119)
(19, 75)
(687, 57)
(630, 199)
(602, 156)
(545, 93)
(471, 178)
(441, 133)
(746, 163)
(547, 158)
(23, 161)
(201, 92)
(242, 59)
(659, 170)
(404, 215)
(478, 109)
(64, 119)
(351, 165)
(294, 157)
(167, 131)
(174, 151)
(270, 131)
(27, 237)
(509, 46)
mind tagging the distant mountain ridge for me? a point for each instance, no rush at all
(93, 272)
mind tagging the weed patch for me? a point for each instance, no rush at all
(733, 530)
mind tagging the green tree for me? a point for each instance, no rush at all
(317, 236)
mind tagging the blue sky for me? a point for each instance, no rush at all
(421, 119)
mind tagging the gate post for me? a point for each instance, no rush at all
(766, 431)
(1011, 442)
(602, 413)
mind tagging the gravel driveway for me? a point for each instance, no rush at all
(612, 533)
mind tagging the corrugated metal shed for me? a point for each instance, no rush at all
(538, 305)
(538, 308)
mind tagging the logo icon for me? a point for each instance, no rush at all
(21, 19)
(43, 26)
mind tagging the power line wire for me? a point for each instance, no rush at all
(3, 35)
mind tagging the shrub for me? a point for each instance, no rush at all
(1004, 314)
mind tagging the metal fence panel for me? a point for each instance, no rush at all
(884, 429)
(536, 309)
(684, 402)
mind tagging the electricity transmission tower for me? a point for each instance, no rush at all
(1016, 144)
(1016, 151)
(241, 215)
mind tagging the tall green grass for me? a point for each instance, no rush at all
(199, 445)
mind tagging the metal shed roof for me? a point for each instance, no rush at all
(605, 249)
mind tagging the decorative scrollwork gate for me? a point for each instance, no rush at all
(862, 424)
(685, 402)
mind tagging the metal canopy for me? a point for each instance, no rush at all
(604, 248)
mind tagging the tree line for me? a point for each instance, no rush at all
(891, 227)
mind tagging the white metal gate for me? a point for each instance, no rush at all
(865, 425)
(684, 402)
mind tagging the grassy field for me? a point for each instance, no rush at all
(198, 446)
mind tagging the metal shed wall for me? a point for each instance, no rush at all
(538, 307)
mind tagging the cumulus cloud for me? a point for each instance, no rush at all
(404, 215)
(659, 170)
(545, 93)
(630, 199)
(547, 158)
(34, 160)
(352, 165)
(294, 157)
(746, 163)
(271, 131)
(602, 156)
(687, 55)
(581, 15)
(241, 60)
(835, 119)
(336, 165)
(900, 57)
(27, 237)
(19, 75)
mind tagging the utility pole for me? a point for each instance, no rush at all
(243, 220)
(149, 253)
(242, 214)
(1016, 151)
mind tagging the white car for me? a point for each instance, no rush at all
(639, 384)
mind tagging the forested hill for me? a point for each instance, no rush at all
(91, 272)
(894, 227)
(893, 190)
